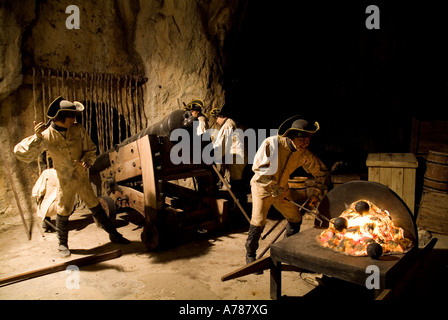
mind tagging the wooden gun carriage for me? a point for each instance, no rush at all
(139, 174)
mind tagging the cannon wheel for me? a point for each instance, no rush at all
(109, 206)
(150, 236)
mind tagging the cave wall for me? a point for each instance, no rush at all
(177, 45)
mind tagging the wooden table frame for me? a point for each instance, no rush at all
(303, 251)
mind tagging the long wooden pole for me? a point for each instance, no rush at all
(273, 240)
(95, 258)
(230, 191)
(278, 234)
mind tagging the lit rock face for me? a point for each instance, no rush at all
(178, 45)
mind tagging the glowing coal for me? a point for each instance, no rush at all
(366, 224)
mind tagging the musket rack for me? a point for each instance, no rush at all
(114, 106)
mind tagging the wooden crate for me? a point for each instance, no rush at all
(396, 171)
(433, 212)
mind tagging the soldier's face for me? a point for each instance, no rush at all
(301, 143)
(220, 120)
(69, 121)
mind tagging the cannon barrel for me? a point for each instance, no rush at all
(176, 119)
(139, 173)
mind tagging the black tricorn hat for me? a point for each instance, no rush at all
(300, 125)
(195, 105)
(60, 104)
(215, 112)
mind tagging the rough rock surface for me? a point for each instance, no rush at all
(178, 45)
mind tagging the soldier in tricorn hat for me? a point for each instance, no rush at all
(278, 157)
(73, 153)
(229, 149)
(195, 108)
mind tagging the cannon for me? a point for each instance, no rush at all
(139, 174)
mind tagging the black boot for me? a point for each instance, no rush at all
(292, 228)
(62, 233)
(252, 243)
(105, 223)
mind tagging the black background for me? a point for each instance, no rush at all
(363, 86)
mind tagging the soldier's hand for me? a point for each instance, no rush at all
(84, 164)
(39, 128)
(276, 190)
(312, 204)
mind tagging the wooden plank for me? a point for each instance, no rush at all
(257, 265)
(303, 251)
(149, 181)
(392, 160)
(387, 159)
(127, 152)
(397, 157)
(410, 274)
(109, 172)
(185, 174)
(61, 266)
(417, 268)
(409, 188)
(276, 281)
(396, 171)
(181, 191)
(219, 207)
(411, 159)
(374, 174)
(127, 170)
(126, 162)
(136, 199)
(373, 159)
(384, 294)
(386, 176)
(433, 212)
(396, 181)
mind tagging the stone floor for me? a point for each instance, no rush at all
(190, 271)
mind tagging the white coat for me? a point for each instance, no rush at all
(45, 191)
(273, 164)
(66, 153)
(229, 148)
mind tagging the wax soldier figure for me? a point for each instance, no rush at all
(45, 191)
(275, 160)
(229, 144)
(195, 108)
(73, 153)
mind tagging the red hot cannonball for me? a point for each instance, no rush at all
(340, 223)
(374, 250)
(361, 207)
